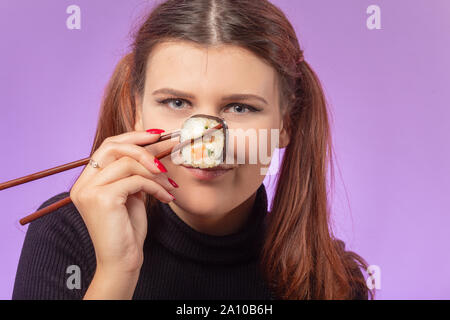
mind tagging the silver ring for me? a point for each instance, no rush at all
(94, 163)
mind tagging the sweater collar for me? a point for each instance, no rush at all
(182, 240)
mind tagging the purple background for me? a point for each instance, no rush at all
(388, 91)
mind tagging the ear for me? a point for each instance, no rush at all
(138, 124)
(284, 136)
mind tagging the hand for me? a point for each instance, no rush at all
(110, 200)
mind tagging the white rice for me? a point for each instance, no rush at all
(213, 151)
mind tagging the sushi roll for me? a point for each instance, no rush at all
(205, 152)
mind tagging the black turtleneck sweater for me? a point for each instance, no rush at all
(179, 262)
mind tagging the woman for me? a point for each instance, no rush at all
(146, 229)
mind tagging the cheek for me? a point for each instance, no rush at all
(247, 180)
(249, 176)
(253, 146)
(154, 120)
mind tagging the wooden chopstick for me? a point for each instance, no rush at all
(68, 166)
(44, 211)
(66, 200)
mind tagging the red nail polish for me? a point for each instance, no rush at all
(160, 166)
(171, 195)
(155, 131)
(173, 183)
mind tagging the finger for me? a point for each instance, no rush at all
(125, 167)
(137, 216)
(121, 189)
(135, 137)
(112, 149)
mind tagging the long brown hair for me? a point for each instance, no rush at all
(301, 259)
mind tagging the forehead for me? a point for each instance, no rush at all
(218, 70)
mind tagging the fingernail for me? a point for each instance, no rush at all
(160, 166)
(171, 195)
(155, 131)
(173, 183)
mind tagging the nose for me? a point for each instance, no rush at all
(209, 116)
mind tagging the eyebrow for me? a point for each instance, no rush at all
(236, 96)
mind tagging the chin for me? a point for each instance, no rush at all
(204, 204)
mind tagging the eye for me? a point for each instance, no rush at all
(180, 104)
(173, 103)
(241, 108)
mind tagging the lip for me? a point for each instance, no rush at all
(208, 173)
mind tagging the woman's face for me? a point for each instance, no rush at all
(203, 78)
